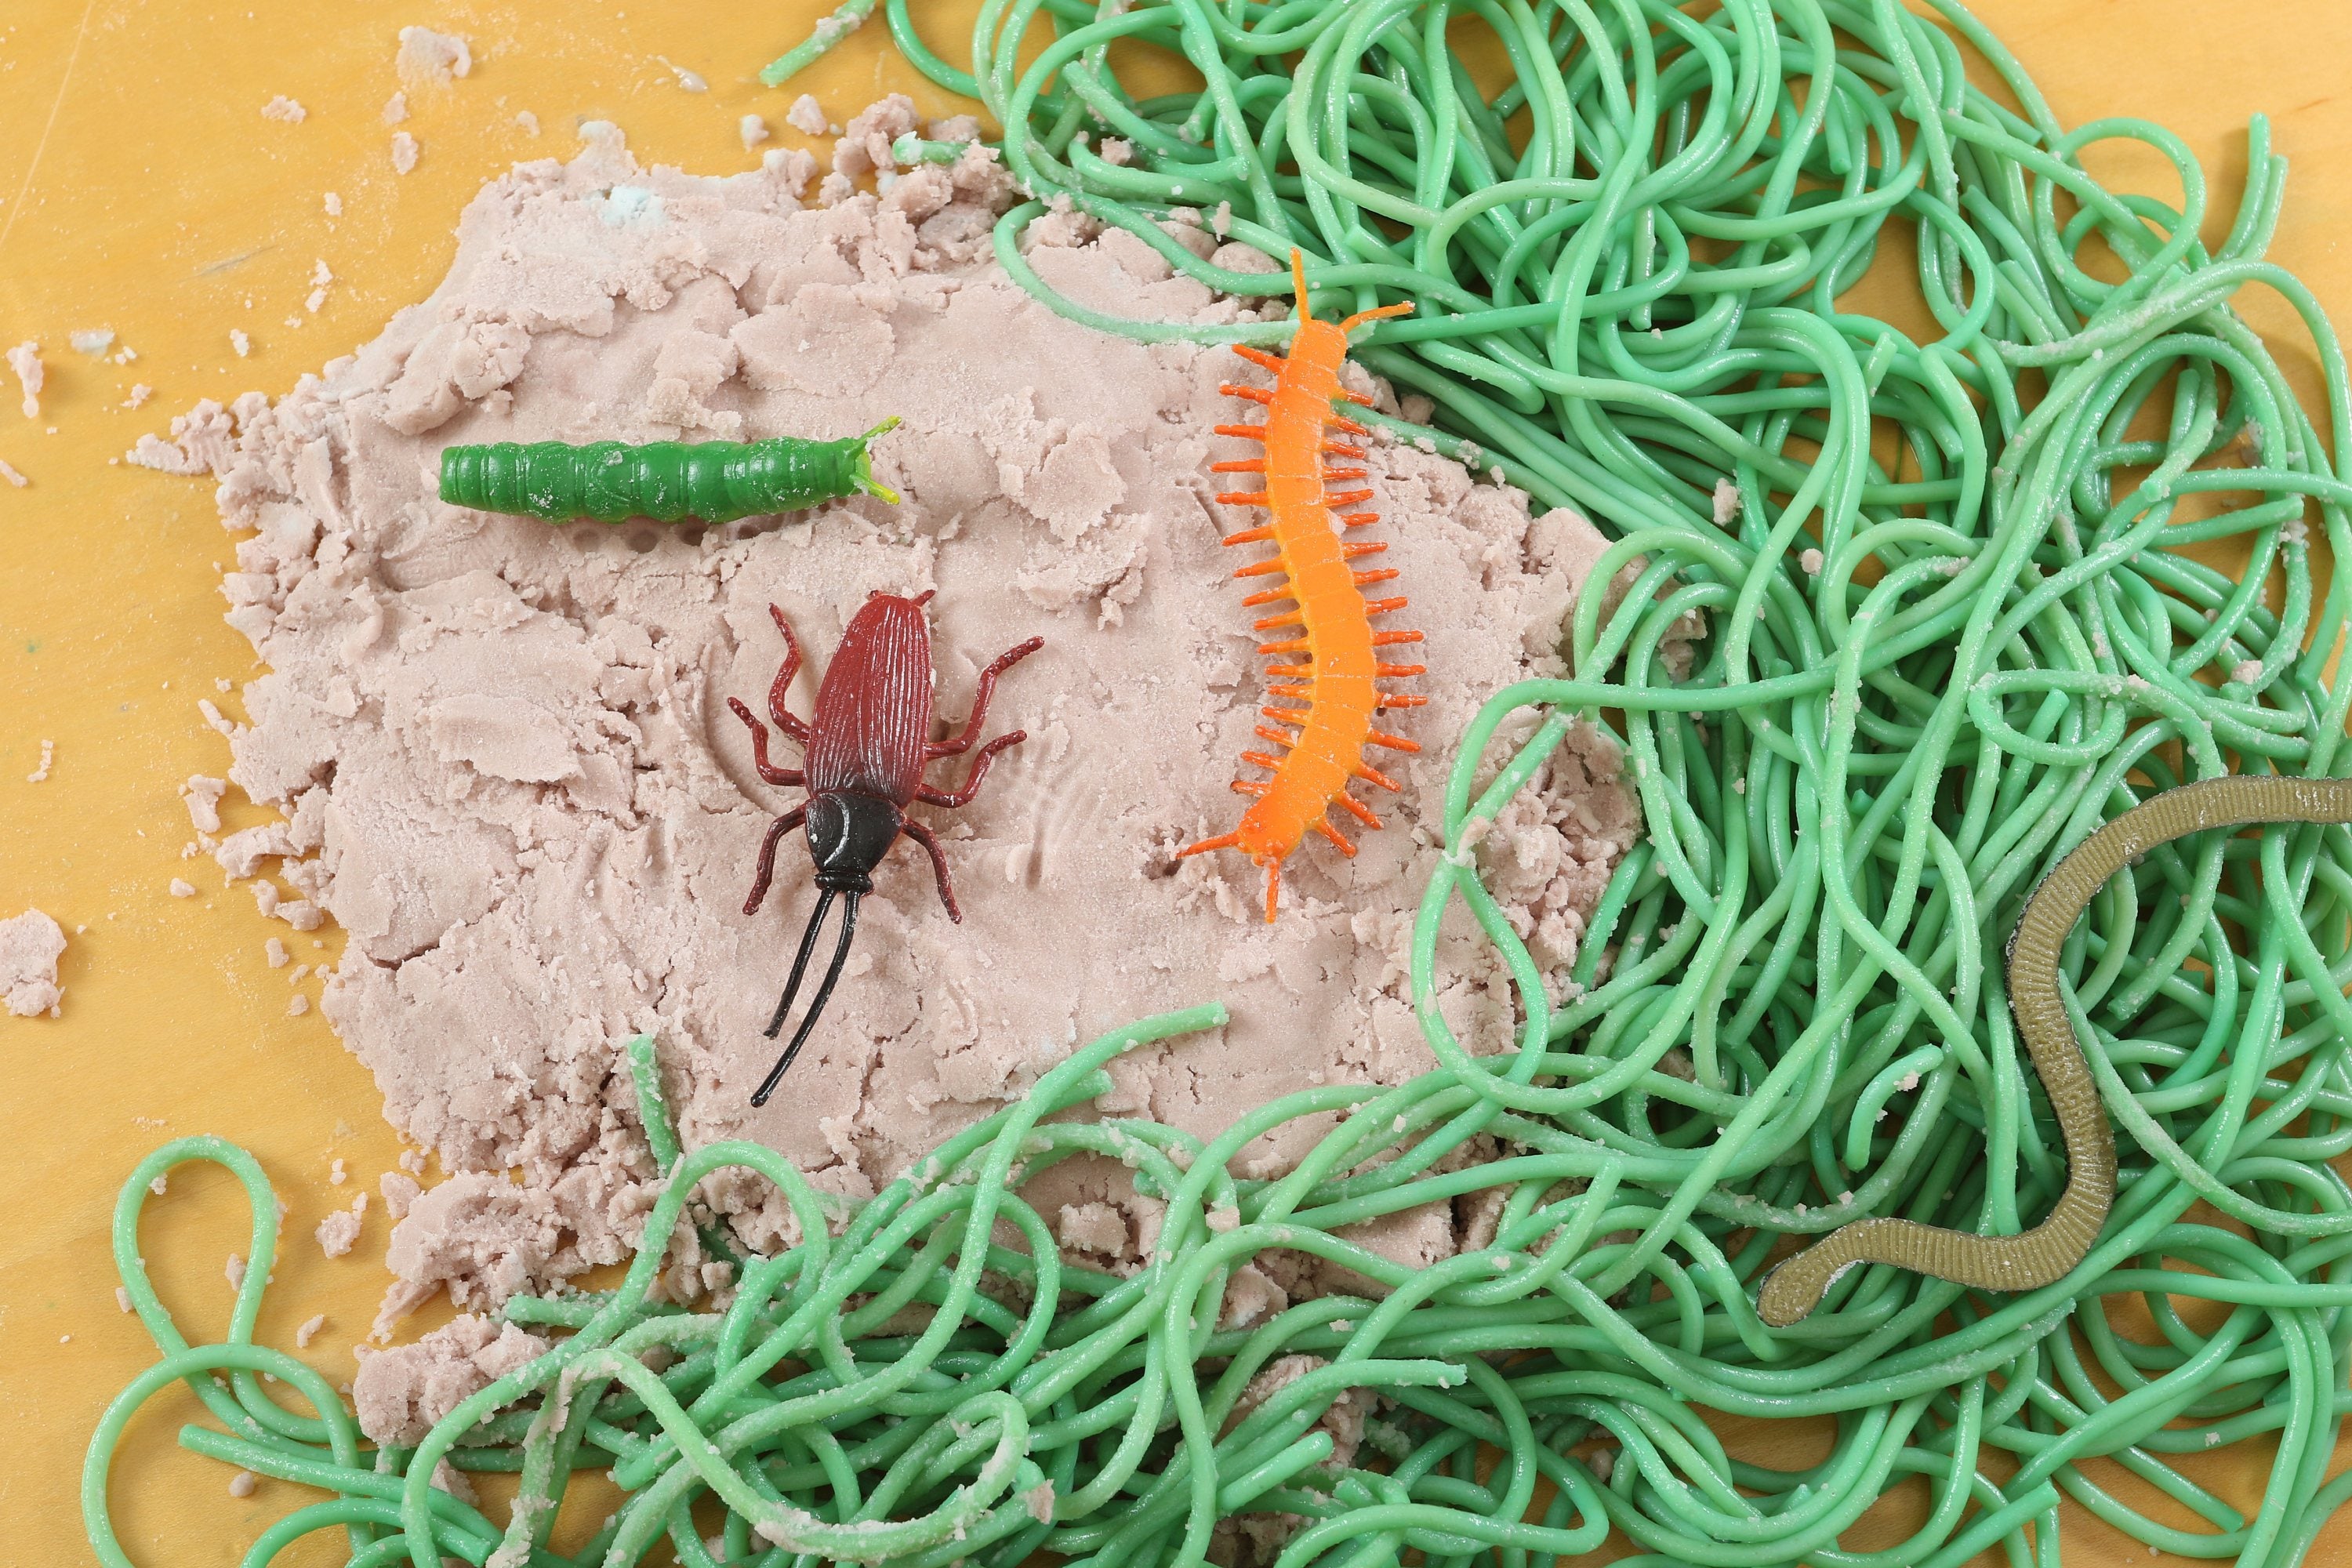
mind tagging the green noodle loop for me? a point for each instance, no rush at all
(1962, 611)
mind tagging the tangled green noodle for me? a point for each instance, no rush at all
(1960, 611)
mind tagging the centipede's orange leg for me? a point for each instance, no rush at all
(1222, 841)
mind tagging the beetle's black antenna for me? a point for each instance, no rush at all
(792, 985)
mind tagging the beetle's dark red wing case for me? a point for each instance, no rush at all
(874, 705)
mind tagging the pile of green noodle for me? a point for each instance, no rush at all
(1954, 623)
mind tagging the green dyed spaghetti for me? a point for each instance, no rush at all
(1001, 1427)
(1955, 624)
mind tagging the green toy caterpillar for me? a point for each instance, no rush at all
(613, 481)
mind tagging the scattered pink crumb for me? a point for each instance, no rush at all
(308, 1330)
(284, 110)
(274, 951)
(25, 359)
(202, 794)
(122, 1298)
(395, 109)
(12, 476)
(1726, 503)
(340, 1230)
(242, 1484)
(298, 1005)
(49, 755)
(334, 204)
(234, 1270)
(403, 152)
(528, 120)
(238, 341)
(139, 393)
(807, 116)
(427, 55)
(182, 889)
(753, 129)
(335, 1171)
(1812, 561)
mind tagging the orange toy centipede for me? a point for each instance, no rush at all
(1333, 617)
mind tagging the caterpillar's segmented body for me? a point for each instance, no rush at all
(1329, 664)
(613, 481)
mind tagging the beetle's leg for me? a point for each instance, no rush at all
(922, 835)
(931, 796)
(768, 771)
(987, 688)
(767, 871)
(785, 720)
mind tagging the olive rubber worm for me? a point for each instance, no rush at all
(613, 481)
(2049, 1251)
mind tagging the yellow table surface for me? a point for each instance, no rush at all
(142, 190)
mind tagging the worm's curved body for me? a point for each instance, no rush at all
(1334, 649)
(2050, 1250)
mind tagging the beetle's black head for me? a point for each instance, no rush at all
(848, 834)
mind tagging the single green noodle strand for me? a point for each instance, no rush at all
(830, 30)
(653, 1106)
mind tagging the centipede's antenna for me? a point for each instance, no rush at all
(1298, 282)
(792, 985)
(1381, 313)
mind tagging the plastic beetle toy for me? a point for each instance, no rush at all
(862, 756)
